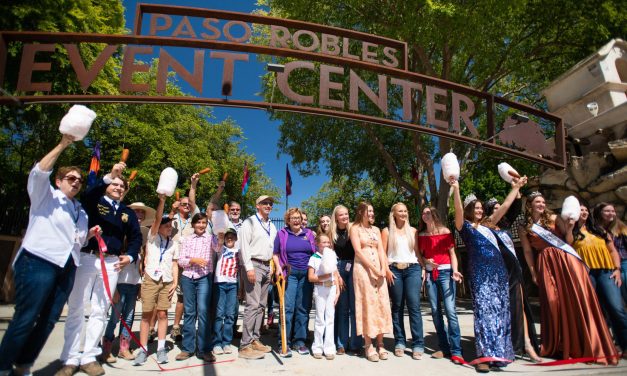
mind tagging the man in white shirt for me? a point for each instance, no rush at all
(45, 265)
(256, 241)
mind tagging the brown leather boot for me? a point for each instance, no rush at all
(125, 352)
(106, 351)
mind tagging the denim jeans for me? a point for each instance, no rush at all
(623, 276)
(298, 295)
(125, 307)
(406, 289)
(225, 295)
(611, 302)
(443, 291)
(196, 303)
(41, 290)
(345, 312)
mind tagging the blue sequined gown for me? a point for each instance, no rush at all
(490, 294)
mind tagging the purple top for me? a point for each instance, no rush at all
(298, 249)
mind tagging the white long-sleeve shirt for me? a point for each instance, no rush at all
(57, 225)
(256, 240)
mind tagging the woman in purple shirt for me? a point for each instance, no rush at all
(293, 247)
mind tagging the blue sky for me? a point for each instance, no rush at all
(261, 134)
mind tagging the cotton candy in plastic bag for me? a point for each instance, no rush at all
(450, 167)
(77, 122)
(571, 208)
(329, 261)
(167, 182)
(220, 221)
(504, 170)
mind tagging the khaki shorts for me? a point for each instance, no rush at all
(155, 295)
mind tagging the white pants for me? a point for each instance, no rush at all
(324, 298)
(88, 286)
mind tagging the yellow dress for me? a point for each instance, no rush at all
(372, 303)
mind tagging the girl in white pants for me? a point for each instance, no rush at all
(326, 293)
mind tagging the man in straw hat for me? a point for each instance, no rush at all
(256, 245)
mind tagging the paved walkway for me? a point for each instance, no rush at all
(47, 363)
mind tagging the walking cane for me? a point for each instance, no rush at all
(280, 285)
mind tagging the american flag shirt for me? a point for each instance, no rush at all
(196, 246)
(228, 265)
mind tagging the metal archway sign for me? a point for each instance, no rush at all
(370, 68)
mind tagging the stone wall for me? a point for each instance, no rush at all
(595, 176)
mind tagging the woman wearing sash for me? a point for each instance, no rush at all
(597, 250)
(524, 337)
(571, 320)
(487, 276)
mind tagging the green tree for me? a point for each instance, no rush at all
(508, 48)
(349, 193)
(186, 138)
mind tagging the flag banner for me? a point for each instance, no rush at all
(288, 181)
(94, 166)
(245, 180)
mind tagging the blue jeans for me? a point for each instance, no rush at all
(611, 302)
(443, 291)
(225, 295)
(196, 303)
(406, 289)
(41, 290)
(345, 312)
(623, 276)
(125, 307)
(298, 295)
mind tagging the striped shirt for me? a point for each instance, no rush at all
(196, 246)
(227, 266)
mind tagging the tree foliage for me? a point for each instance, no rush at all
(186, 138)
(508, 48)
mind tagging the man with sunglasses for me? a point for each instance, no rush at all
(256, 246)
(45, 265)
(102, 202)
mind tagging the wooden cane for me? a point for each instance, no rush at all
(280, 285)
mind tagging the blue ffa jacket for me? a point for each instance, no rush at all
(116, 225)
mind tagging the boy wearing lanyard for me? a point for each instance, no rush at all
(160, 280)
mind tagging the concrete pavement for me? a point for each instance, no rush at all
(47, 363)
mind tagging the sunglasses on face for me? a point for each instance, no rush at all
(234, 210)
(72, 179)
(266, 203)
(184, 204)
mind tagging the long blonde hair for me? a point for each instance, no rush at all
(394, 231)
(333, 224)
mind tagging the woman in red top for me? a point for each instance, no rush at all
(437, 245)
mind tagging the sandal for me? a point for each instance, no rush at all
(383, 355)
(371, 354)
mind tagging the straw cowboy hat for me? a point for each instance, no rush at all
(150, 212)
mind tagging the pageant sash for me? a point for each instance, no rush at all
(554, 240)
(506, 240)
(488, 234)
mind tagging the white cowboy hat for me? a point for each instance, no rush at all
(150, 212)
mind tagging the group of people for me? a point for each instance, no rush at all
(359, 278)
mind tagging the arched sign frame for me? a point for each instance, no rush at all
(27, 67)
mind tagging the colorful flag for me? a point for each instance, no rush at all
(94, 166)
(288, 181)
(245, 180)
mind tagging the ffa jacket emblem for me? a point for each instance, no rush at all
(124, 217)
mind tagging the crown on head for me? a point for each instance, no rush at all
(534, 194)
(491, 202)
(470, 198)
